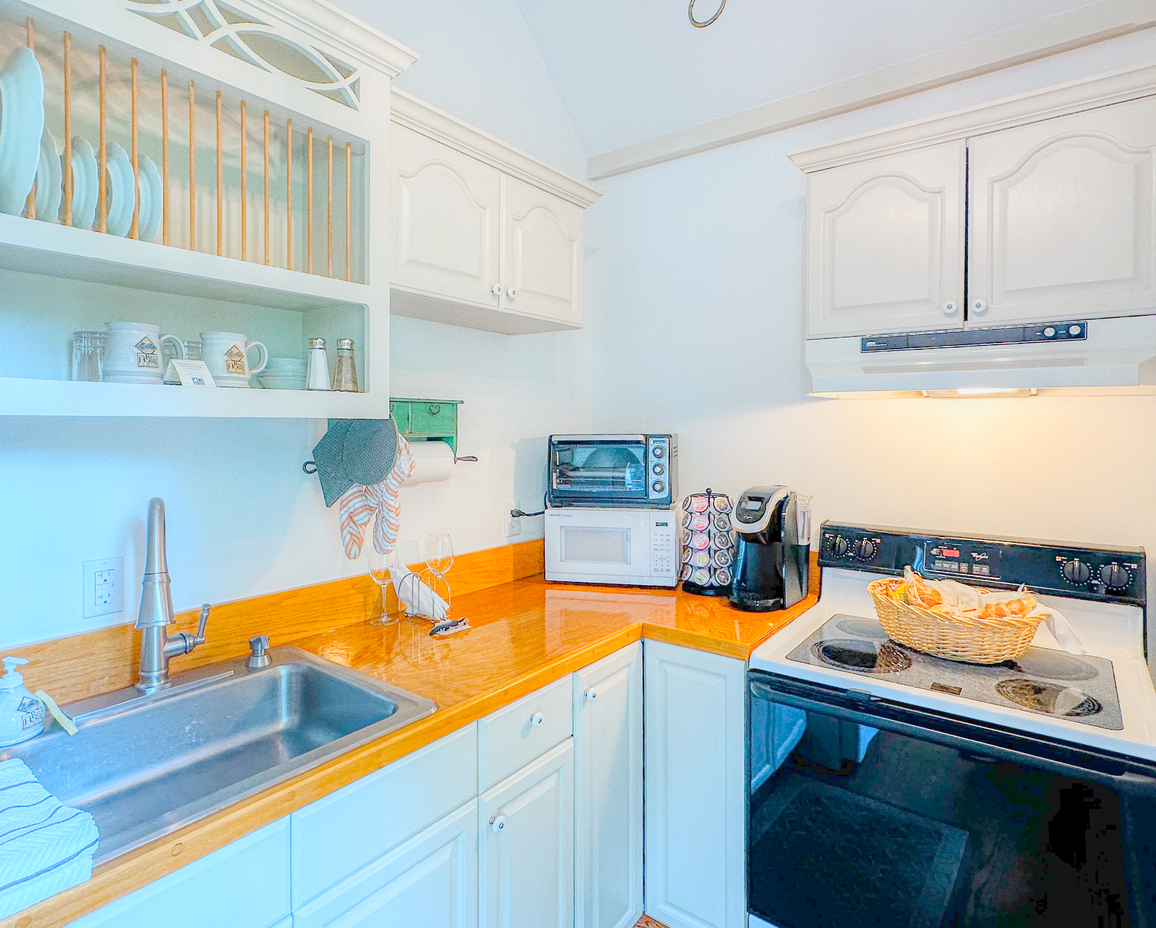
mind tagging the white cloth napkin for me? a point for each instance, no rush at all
(45, 847)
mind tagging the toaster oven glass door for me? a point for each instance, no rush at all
(599, 472)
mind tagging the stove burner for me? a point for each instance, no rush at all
(861, 628)
(861, 656)
(1052, 665)
(1048, 698)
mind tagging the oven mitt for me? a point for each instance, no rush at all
(363, 502)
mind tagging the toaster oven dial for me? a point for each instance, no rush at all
(658, 451)
(865, 549)
(659, 470)
(1115, 577)
(658, 486)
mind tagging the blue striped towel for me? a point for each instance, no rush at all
(45, 847)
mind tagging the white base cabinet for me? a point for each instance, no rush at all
(527, 852)
(608, 791)
(431, 881)
(695, 744)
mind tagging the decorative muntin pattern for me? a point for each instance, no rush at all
(261, 44)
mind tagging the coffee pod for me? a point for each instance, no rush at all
(700, 559)
(686, 519)
(721, 503)
(686, 504)
(699, 504)
(722, 576)
(722, 522)
(701, 576)
(699, 522)
(722, 558)
(687, 572)
(699, 541)
(722, 540)
(687, 553)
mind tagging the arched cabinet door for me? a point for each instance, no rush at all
(446, 215)
(886, 242)
(542, 265)
(1062, 214)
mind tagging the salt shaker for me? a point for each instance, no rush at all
(318, 376)
(345, 373)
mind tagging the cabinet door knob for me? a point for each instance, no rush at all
(512, 292)
(979, 307)
(496, 289)
(591, 695)
(497, 823)
(537, 719)
(950, 308)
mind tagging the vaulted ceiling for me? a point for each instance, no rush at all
(631, 70)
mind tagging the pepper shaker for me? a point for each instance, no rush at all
(345, 372)
(318, 376)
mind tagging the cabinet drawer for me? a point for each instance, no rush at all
(510, 739)
(433, 419)
(343, 832)
(244, 884)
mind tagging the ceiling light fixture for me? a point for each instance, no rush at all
(704, 23)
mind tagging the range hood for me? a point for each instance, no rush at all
(1069, 356)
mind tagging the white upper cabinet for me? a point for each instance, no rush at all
(542, 264)
(1062, 215)
(886, 243)
(1056, 190)
(446, 221)
(484, 235)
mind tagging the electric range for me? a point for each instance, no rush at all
(1104, 698)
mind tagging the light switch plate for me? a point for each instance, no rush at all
(102, 591)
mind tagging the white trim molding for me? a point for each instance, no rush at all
(413, 113)
(1060, 100)
(1087, 25)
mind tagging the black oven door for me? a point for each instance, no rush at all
(596, 471)
(865, 812)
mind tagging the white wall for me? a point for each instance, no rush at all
(243, 519)
(697, 272)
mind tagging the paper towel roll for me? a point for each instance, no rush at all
(433, 461)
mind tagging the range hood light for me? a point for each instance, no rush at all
(981, 391)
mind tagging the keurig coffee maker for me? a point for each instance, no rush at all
(771, 559)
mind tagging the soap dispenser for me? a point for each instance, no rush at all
(21, 713)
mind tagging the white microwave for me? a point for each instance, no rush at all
(633, 547)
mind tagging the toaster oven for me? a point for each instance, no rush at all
(612, 471)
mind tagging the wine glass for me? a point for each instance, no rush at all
(440, 552)
(382, 569)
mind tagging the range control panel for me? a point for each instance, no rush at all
(1056, 568)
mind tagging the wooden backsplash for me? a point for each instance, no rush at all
(97, 662)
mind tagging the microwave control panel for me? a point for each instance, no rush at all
(664, 545)
(1047, 567)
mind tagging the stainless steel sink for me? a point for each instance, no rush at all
(145, 766)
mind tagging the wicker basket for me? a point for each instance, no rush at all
(979, 641)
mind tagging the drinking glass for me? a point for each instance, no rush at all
(381, 570)
(440, 552)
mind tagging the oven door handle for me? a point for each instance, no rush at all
(1126, 775)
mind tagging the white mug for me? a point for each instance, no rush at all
(227, 355)
(133, 352)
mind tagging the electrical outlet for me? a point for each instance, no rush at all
(513, 526)
(103, 587)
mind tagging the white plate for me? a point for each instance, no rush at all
(49, 177)
(21, 127)
(85, 189)
(152, 198)
(122, 191)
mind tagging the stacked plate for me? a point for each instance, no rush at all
(21, 129)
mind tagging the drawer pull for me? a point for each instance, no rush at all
(497, 822)
(591, 695)
(537, 719)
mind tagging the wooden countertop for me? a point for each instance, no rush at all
(524, 635)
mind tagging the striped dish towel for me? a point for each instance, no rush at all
(45, 847)
(361, 503)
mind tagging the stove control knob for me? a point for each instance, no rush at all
(1115, 577)
(865, 549)
(839, 546)
(1075, 571)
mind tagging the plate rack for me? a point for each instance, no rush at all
(258, 116)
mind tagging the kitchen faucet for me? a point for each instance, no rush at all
(156, 610)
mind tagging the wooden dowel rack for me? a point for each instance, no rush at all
(30, 40)
(220, 182)
(309, 201)
(68, 181)
(244, 186)
(192, 166)
(165, 154)
(134, 231)
(289, 194)
(329, 217)
(348, 211)
(102, 161)
(266, 138)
